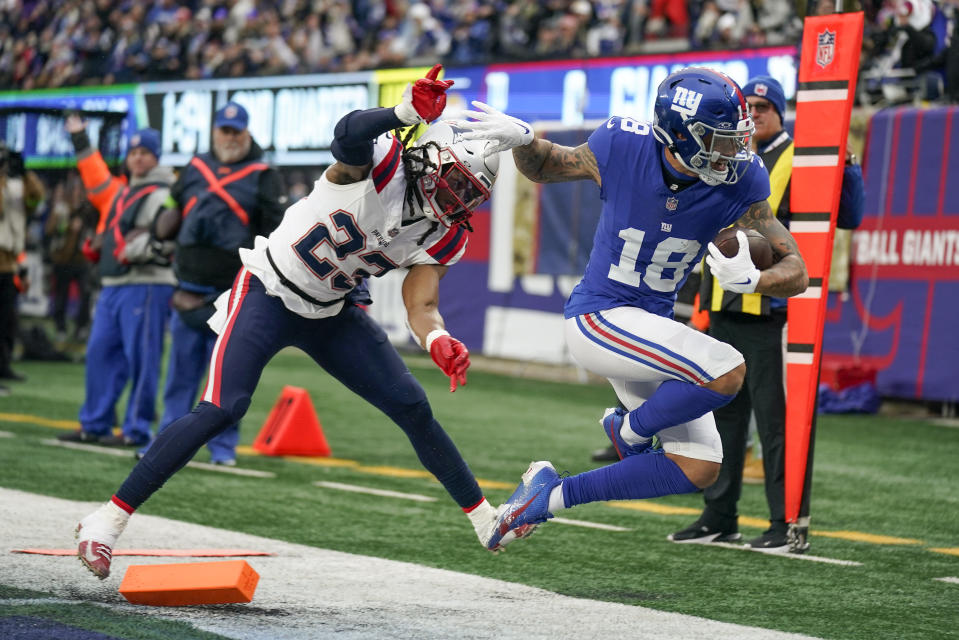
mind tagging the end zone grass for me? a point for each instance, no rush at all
(874, 476)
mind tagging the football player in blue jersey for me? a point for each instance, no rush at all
(667, 189)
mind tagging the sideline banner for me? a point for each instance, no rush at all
(827, 88)
(898, 318)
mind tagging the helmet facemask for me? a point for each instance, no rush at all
(449, 178)
(723, 155)
(450, 193)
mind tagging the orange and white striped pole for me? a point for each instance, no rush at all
(827, 88)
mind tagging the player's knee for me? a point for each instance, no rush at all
(229, 413)
(408, 405)
(701, 473)
(730, 382)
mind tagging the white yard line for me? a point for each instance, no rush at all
(306, 593)
(128, 453)
(385, 493)
(791, 556)
(590, 525)
(949, 579)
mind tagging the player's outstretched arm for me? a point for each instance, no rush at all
(421, 293)
(537, 159)
(544, 161)
(788, 276)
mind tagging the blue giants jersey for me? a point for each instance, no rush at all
(649, 238)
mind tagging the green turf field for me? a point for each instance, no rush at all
(885, 494)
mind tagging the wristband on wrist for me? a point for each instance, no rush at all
(433, 335)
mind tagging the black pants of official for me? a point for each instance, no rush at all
(8, 320)
(759, 339)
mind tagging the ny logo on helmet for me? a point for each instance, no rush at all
(686, 102)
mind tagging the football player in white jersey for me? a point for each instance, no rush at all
(379, 207)
(667, 189)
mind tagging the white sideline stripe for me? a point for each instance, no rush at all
(409, 597)
(791, 556)
(798, 358)
(949, 579)
(237, 471)
(126, 453)
(79, 446)
(811, 292)
(799, 226)
(816, 161)
(6, 434)
(374, 492)
(590, 525)
(819, 95)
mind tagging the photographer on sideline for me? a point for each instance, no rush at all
(20, 193)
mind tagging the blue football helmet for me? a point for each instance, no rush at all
(702, 117)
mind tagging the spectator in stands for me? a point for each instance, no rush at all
(126, 338)
(225, 198)
(951, 50)
(755, 325)
(905, 53)
(71, 222)
(73, 42)
(20, 194)
(777, 22)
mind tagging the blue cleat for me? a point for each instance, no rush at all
(519, 516)
(612, 423)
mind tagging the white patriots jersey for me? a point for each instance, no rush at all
(339, 234)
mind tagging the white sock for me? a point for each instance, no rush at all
(631, 437)
(556, 501)
(482, 516)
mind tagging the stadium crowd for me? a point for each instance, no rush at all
(46, 43)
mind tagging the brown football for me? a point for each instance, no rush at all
(760, 250)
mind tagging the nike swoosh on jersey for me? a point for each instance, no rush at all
(748, 281)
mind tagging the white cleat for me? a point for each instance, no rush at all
(97, 534)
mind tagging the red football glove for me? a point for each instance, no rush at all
(90, 252)
(425, 99)
(450, 355)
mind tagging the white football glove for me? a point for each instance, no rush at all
(737, 274)
(137, 250)
(506, 132)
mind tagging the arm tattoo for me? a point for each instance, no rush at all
(543, 161)
(788, 276)
(760, 217)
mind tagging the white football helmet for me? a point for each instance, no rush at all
(459, 180)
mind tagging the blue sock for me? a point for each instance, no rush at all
(675, 402)
(648, 475)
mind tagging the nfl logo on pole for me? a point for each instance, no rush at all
(826, 49)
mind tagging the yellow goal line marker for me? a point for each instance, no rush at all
(855, 536)
(44, 422)
(377, 470)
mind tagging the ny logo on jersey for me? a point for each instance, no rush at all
(686, 102)
(665, 226)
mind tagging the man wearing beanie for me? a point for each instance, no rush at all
(126, 336)
(226, 197)
(755, 325)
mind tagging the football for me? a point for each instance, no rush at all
(760, 250)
